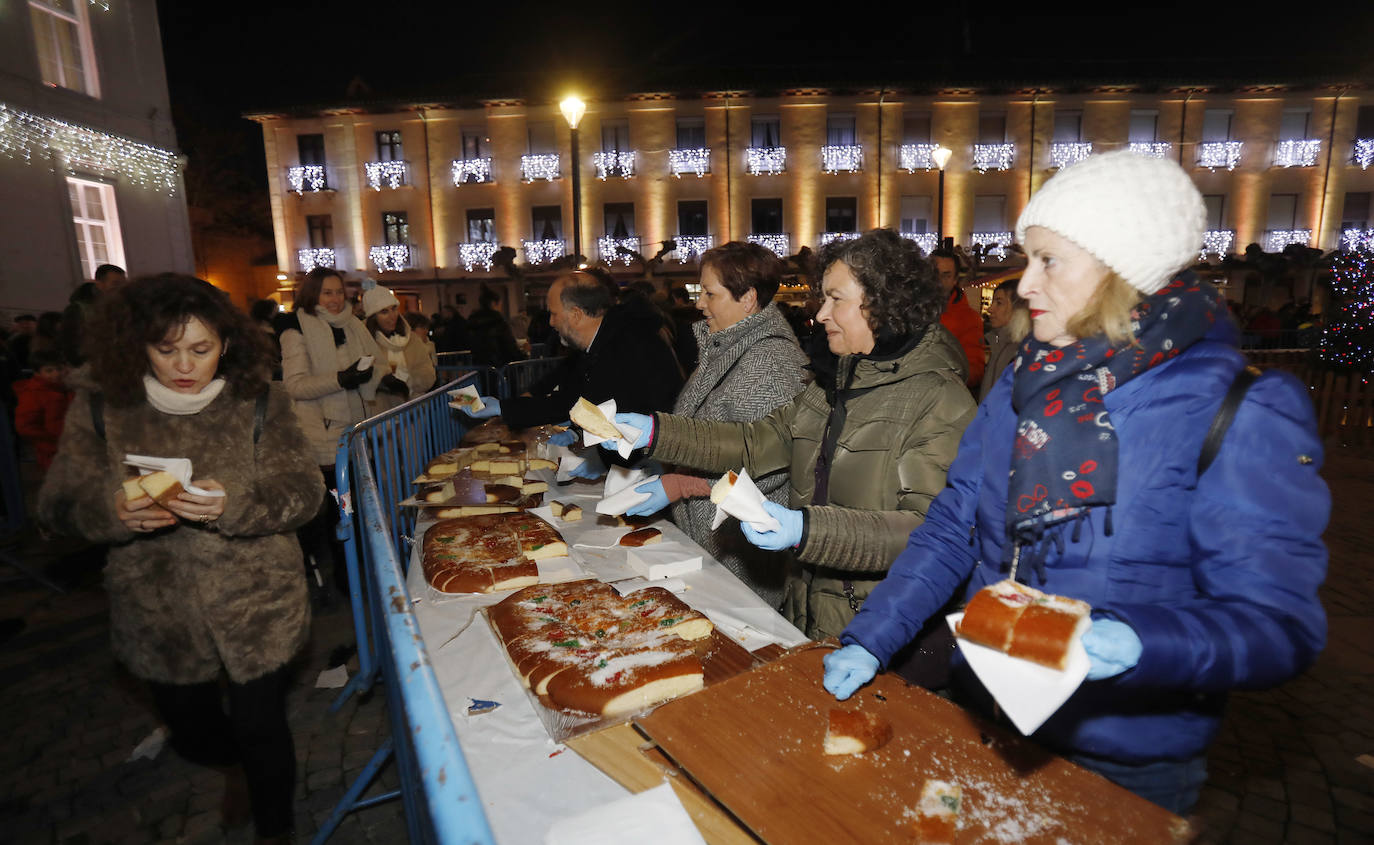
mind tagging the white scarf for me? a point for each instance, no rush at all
(319, 344)
(169, 401)
(395, 354)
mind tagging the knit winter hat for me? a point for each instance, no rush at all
(1141, 216)
(375, 299)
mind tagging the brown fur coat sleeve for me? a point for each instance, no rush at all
(284, 489)
(78, 494)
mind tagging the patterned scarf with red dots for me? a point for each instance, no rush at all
(1064, 458)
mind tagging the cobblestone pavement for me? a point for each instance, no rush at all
(1285, 768)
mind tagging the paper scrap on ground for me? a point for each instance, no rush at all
(473, 402)
(150, 746)
(332, 678)
(180, 468)
(619, 494)
(745, 503)
(1028, 692)
(628, 433)
(654, 815)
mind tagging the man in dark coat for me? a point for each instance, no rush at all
(617, 354)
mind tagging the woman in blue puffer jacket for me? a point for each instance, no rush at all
(1080, 476)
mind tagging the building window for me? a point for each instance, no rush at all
(389, 146)
(1283, 211)
(916, 215)
(474, 145)
(620, 219)
(841, 214)
(691, 219)
(766, 216)
(916, 128)
(96, 223)
(541, 139)
(1355, 214)
(481, 225)
(615, 135)
(62, 39)
(321, 230)
(992, 128)
(691, 133)
(765, 132)
(1293, 124)
(1144, 126)
(1216, 125)
(990, 213)
(395, 228)
(839, 130)
(1216, 210)
(311, 149)
(548, 222)
(1068, 126)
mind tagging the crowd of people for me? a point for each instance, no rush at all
(910, 453)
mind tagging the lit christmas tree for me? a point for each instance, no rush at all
(1348, 340)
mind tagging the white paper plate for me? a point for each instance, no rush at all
(1027, 692)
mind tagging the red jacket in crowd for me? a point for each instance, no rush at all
(38, 415)
(967, 327)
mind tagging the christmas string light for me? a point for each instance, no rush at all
(766, 161)
(845, 158)
(1064, 154)
(390, 257)
(994, 244)
(393, 173)
(542, 252)
(1299, 153)
(1363, 153)
(690, 247)
(1276, 239)
(1214, 154)
(927, 241)
(1357, 240)
(539, 166)
(303, 176)
(914, 157)
(473, 254)
(831, 237)
(778, 242)
(27, 136)
(993, 157)
(610, 249)
(1348, 339)
(1154, 149)
(614, 163)
(696, 161)
(309, 259)
(1217, 242)
(471, 170)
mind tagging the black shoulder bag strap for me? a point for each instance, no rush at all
(98, 415)
(260, 415)
(1225, 416)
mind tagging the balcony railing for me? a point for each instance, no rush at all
(610, 249)
(1214, 154)
(993, 244)
(914, 157)
(386, 174)
(697, 161)
(471, 171)
(993, 157)
(609, 163)
(1154, 149)
(1297, 153)
(311, 258)
(1064, 154)
(1276, 239)
(536, 166)
(690, 247)
(778, 242)
(305, 178)
(477, 254)
(1363, 152)
(927, 241)
(392, 258)
(842, 158)
(1217, 242)
(1357, 240)
(830, 237)
(766, 161)
(542, 252)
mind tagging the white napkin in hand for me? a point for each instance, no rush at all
(619, 494)
(745, 503)
(476, 405)
(628, 433)
(180, 468)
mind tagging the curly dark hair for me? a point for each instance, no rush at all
(901, 291)
(141, 313)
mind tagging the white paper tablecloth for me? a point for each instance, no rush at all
(526, 781)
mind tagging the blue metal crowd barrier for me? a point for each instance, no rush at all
(377, 458)
(520, 376)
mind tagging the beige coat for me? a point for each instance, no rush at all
(310, 382)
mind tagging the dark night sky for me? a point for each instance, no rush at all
(226, 58)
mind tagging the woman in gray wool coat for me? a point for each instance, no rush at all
(750, 364)
(199, 585)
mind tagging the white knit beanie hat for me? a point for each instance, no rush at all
(1141, 216)
(375, 299)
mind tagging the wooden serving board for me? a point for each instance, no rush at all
(754, 743)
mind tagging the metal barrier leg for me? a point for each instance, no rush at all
(350, 802)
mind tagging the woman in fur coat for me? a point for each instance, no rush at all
(206, 580)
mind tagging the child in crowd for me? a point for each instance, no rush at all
(42, 404)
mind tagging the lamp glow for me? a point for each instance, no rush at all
(940, 155)
(573, 109)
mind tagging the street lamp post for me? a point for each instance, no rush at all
(940, 155)
(573, 109)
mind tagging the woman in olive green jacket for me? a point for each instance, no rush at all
(866, 446)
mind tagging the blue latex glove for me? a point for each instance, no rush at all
(1112, 648)
(564, 438)
(643, 422)
(492, 409)
(848, 669)
(786, 537)
(592, 468)
(657, 501)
